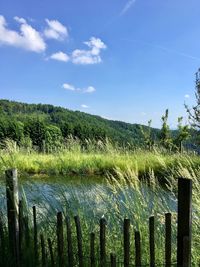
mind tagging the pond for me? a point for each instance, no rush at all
(91, 197)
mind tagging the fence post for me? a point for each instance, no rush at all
(2, 243)
(168, 239)
(60, 239)
(12, 213)
(113, 261)
(92, 249)
(35, 236)
(79, 240)
(184, 222)
(126, 242)
(102, 242)
(152, 240)
(69, 242)
(137, 249)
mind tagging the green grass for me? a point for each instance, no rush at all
(124, 171)
(93, 161)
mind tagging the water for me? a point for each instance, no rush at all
(90, 197)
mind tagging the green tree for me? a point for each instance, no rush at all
(194, 112)
(53, 138)
(148, 136)
(165, 135)
(35, 129)
(183, 134)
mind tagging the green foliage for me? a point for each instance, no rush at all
(165, 134)
(194, 113)
(52, 139)
(20, 121)
(148, 136)
(183, 134)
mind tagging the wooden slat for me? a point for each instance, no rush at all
(113, 261)
(138, 262)
(92, 249)
(184, 222)
(79, 240)
(2, 243)
(60, 240)
(126, 242)
(43, 251)
(168, 239)
(21, 232)
(102, 242)
(35, 235)
(51, 252)
(12, 214)
(69, 243)
(152, 241)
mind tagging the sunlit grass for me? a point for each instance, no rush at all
(101, 160)
(123, 195)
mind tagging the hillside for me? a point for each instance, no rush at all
(20, 119)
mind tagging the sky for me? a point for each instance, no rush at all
(125, 60)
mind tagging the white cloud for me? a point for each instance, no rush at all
(187, 96)
(55, 30)
(20, 20)
(89, 89)
(60, 56)
(127, 6)
(84, 106)
(68, 86)
(28, 38)
(91, 56)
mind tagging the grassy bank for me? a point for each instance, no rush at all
(94, 161)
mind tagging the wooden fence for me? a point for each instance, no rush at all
(17, 237)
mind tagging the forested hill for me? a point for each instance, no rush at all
(39, 121)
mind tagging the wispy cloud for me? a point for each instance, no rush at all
(60, 56)
(70, 87)
(127, 6)
(27, 38)
(55, 30)
(89, 89)
(84, 106)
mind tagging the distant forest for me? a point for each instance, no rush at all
(48, 125)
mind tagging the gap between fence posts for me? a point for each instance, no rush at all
(12, 196)
(184, 222)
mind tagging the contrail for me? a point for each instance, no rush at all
(127, 6)
(164, 49)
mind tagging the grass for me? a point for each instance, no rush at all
(122, 196)
(93, 161)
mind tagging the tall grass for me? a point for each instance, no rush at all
(98, 159)
(121, 196)
(124, 196)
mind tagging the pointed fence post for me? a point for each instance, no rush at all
(184, 222)
(12, 196)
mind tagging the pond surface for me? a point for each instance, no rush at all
(91, 197)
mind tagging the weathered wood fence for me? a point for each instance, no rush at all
(20, 237)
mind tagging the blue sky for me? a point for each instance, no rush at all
(125, 60)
